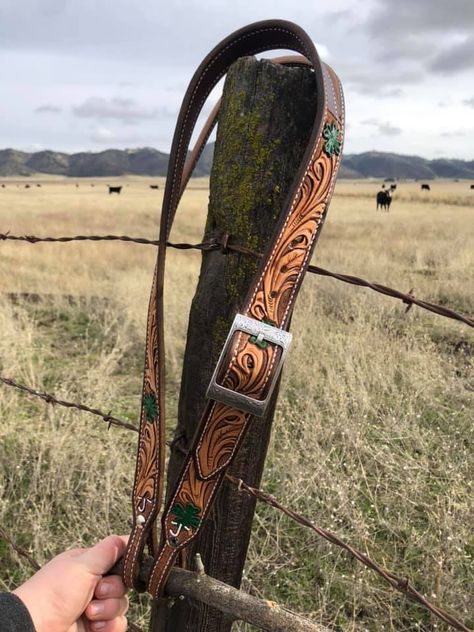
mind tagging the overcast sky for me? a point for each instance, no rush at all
(91, 74)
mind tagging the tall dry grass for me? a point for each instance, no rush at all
(373, 432)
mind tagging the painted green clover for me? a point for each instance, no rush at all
(333, 142)
(150, 407)
(187, 518)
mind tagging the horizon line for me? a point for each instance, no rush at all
(140, 148)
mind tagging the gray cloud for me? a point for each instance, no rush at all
(414, 18)
(108, 137)
(455, 58)
(150, 31)
(469, 102)
(383, 127)
(394, 92)
(118, 108)
(454, 132)
(381, 81)
(47, 108)
(416, 30)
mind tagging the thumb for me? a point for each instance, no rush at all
(101, 557)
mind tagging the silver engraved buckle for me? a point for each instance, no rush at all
(262, 332)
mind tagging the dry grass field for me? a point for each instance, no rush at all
(373, 435)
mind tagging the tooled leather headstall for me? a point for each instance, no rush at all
(253, 354)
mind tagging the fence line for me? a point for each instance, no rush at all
(400, 583)
(223, 244)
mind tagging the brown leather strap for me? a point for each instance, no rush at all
(250, 362)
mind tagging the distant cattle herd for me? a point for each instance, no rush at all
(383, 198)
(111, 189)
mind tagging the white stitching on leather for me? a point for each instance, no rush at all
(216, 80)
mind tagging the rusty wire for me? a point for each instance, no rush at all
(51, 399)
(19, 550)
(407, 298)
(400, 583)
(33, 239)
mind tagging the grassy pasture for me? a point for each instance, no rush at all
(373, 435)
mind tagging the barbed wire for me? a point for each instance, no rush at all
(400, 583)
(33, 239)
(19, 550)
(223, 244)
(51, 399)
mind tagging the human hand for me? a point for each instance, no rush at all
(69, 593)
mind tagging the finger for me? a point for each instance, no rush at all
(117, 625)
(104, 554)
(106, 609)
(110, 587)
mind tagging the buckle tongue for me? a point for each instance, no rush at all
(262, 334)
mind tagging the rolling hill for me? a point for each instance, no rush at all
(147, 161)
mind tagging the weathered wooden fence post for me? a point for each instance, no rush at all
(264, 124)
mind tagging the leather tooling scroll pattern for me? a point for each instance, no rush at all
(251, 364)
(148, 449)
(277, 286)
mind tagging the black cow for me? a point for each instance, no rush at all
(472, 186)
(154, 186)
(38, 185)
(27, 186)
(114, 190)
(3, 186)
(425, 187)
(393, 187)
(384, 199)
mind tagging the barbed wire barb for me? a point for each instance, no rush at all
(215, 244)
(400, 583)
(6, 537)
(51, 399)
